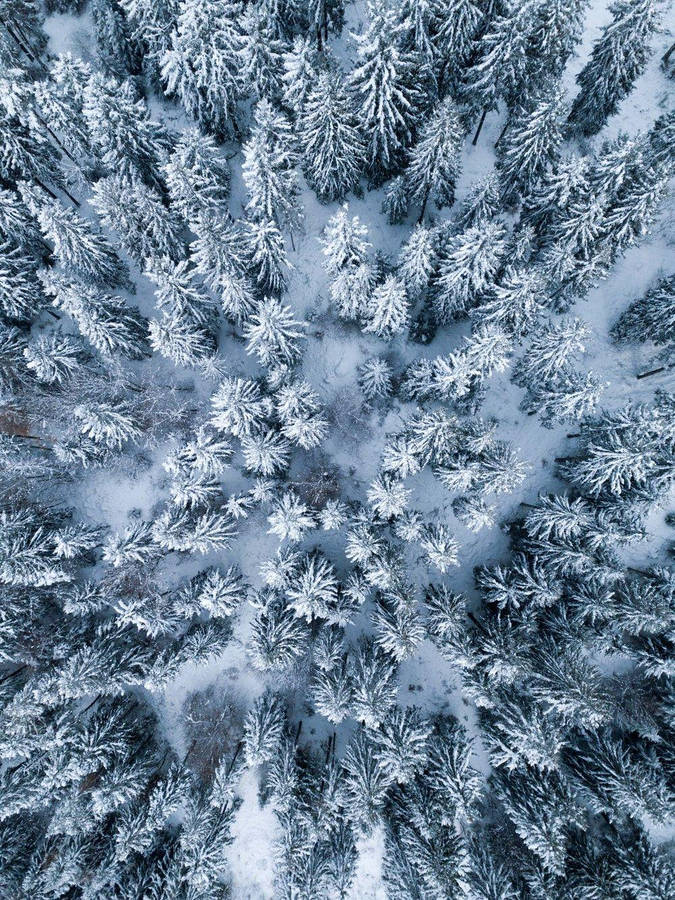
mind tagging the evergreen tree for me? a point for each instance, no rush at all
(332, 148)
(482, 203)
(267, 254)
(530, 145)
(278, 637)
(116, 54)
(514, 304)
(263, 729)
(269, 168)
(144, 226)
(152, 23)
(395, 202)
(344, 242)
(106, 321)
(618, 58)
(177, 294)
(557, 30)
(290, 518)
(434, 165)
(500, 69)
(239, 407)
(386, 81)
(197, 176)
(375, 378)
(458, 25)
(402, 743)
(365, 784)
(203, 67)
(374, 685)
(129, 143)
(266, 452)
(650, 318)
(80, 250)
(466, 269)
(261, 56)
(300, 69)
(273, 334)
(387, 312)
(552, 350)
(182, 340)
(570, 397)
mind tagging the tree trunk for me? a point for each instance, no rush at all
(319, 42)
(46, 189)
(70, 196)
(480, 126)
(11, 675)
(666, 56)
(652, 372)
(501, 134)
(424, 205)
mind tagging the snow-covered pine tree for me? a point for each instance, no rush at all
(52, 358)
(290, 518)
(514, 304)
(458, 24)
(80, 250)
(417, 260)
(177, 294)
(266, 452)
(332, 692)
(106, 424)
(466, 269)
(481, 204)
(314, 588)
(374, 682)
(204, 66)
(366, 782)
(387, 82)
(555, 33)
(197, 175)
(551, 349)
(152, 23)
(618, 57)
(500, 68)
(333, 151)
(182, 340)
(269, 168)
(142, 222)
(651, 317)
(129, 143)
(116, 53)
(387, 312)
(300, 68)
(267, 254)
(434, 161)
(239, 407)
(530, 145)
(262, 55)
(344, 241)
(273, 334)
(278, 637)
(571, 396)
(396, 201)
(375, 378)
(263, 729)
(106, 321)
(402, 741)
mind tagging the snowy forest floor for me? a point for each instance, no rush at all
(333, 352)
